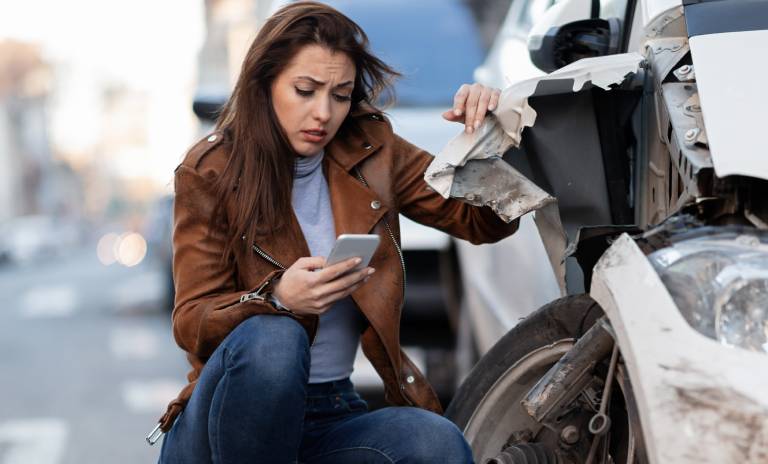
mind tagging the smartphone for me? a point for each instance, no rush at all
(353, 246)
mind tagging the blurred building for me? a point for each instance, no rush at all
(32, 181)
(231, 26)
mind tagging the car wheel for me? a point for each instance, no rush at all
(487, 407)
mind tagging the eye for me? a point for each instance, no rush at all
(304, 93)
(342, 98)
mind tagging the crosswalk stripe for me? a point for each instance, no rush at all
(33, 441)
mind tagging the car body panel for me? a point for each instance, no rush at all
(492, 140)
(706, 405)
(653, 9)
(521, 262)
(728, 86)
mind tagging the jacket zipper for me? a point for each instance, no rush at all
(264, 255)
(257, 295)
(389, 232)
(274, 262)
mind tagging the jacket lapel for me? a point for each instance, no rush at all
(356, 208)
(352, 202)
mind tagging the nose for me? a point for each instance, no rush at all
(322, 110)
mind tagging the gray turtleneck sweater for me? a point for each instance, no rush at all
(333, 353)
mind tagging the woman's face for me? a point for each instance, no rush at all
(311, 97)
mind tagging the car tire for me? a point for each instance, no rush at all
(565, 318)
(487, 406)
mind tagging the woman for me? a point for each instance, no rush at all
(300, 156)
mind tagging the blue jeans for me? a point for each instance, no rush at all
(252, 404)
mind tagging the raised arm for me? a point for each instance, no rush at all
(419, 202)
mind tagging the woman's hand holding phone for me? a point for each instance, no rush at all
(309, 288)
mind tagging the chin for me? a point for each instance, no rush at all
(308, 150)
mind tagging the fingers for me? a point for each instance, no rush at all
(346, 281)
(334, 297)
(332, 272)
(310, 263)
(460, 102)
(471, 103)
(482, 107)
(494, 103)
(471, 107)
(451, 116)
(322, 298)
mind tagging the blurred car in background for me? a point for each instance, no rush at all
(157, 232)
(27, 238)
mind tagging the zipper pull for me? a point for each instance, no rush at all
(254, 295)
(154, 435)
(251, 296)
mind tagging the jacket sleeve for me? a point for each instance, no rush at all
(208, 303)
(417, 201)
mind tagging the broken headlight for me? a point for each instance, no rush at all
(720, 285)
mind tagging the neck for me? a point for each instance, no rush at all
(306, 165)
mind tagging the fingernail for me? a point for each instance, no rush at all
(477, 124)
(457, 112)
(358, 260)
(371, 271)
(491, 107)
(469, 129)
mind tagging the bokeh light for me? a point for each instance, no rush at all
(105, 249)
(131, 249)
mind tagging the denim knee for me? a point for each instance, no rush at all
(431, 438)
(274, 348)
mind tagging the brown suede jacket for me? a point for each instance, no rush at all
(372, 176)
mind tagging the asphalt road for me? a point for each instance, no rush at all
(88, 363)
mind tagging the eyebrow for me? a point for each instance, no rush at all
(316, 82)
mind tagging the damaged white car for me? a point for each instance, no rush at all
(640, 157)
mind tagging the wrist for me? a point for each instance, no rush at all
(274, 299)
(277, 304)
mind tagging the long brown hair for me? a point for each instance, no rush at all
(259, 171)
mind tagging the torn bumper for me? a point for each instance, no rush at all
(699, 401)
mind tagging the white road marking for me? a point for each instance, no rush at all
(48, 301)
(150, 397)
(33, 441)
(133, 343)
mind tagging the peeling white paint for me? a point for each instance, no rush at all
(514, 114)
(495, 183)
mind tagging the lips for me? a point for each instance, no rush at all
(314, 135)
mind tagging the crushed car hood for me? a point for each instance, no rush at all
(731, 78)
